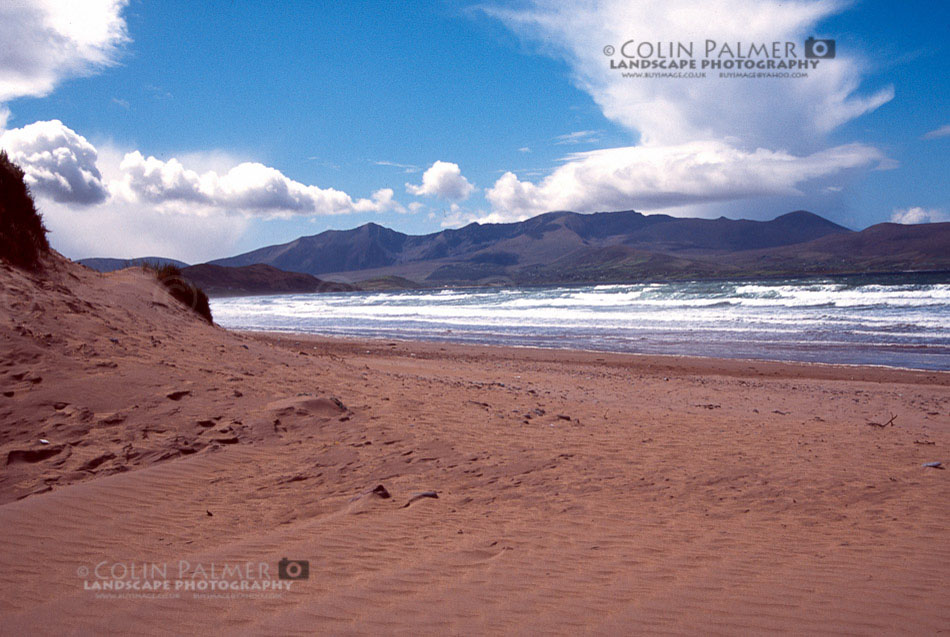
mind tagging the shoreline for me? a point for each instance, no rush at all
(942, 276)
(698, 364)
(832, 323)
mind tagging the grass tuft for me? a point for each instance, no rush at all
(183, 290)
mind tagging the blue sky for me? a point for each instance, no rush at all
(422, 115)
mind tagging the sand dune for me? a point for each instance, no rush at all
(576, 492)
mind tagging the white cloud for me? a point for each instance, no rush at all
(943, 131)
(653, 178)
(524, 149)
(45, 41)
(133, 229)
(917, 214)
(108, 202)
(119, 227)
(58, 162)
(249, 187)
(443, 179)
(416, 206)
(578, 137)
(703, 142)
(777, 113)
(158, 93)
(406, 168)
(61, 164)
(456, 217)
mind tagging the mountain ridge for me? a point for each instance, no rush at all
(568, 247)
(495, 250)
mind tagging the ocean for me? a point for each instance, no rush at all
(893, 320)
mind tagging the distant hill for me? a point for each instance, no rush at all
(218, 280)
(885, 247)
(541, 249)
(567, 247)
(105, 264)
(881, 248)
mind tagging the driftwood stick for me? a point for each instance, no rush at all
(889, 423)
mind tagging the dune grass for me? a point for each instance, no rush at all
(23, 240)
(183, 290)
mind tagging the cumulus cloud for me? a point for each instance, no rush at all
(702, 141)
(63, 165)
(917, 214)
(58, 162)
(46, 41)
(443, 179)
(249, 187)
(943, 131)
(776, 113)
(133, 229)
(107, 201)
(662, 177)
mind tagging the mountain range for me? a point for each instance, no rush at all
(568, 247)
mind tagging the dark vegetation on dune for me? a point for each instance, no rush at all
(183, 290)
(23, 240)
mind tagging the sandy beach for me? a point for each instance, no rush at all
(523, 491)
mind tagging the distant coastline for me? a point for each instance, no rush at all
(567, 248)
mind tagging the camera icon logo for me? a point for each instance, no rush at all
(819, 49)
(293, 569)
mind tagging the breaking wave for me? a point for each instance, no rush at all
(895, 320)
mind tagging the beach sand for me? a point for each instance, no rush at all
(576, 491)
